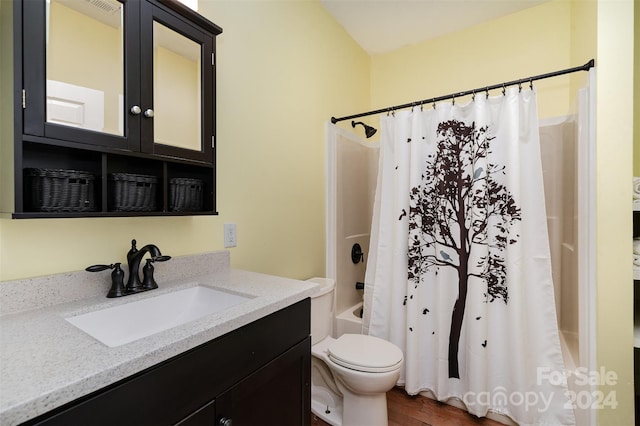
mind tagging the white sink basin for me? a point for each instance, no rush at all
(132, 321)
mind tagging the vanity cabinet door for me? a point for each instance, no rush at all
(279, 394)
(205, 416)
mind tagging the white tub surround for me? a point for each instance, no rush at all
(46, 362)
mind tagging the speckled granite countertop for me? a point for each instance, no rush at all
(46, 362)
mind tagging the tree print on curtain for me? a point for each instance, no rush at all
(460, 217)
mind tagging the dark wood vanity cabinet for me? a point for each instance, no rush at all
(259, 374)
(114, 87)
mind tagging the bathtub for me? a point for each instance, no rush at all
(349, 321)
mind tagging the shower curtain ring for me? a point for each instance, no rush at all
(520, 87)
(473, 96)
(486, 91)
(421, 109)
(504, 90)
(434, 104)
(531, 83)
(453, 99)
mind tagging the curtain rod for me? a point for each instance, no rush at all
(585, 67)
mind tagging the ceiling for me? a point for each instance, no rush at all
(381, 26)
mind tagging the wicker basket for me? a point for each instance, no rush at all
(132, 193)
(57, 190)
(185, 195)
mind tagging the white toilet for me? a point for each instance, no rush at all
(350, 375)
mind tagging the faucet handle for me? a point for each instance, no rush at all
(148, 282)
(117, 278)
(98, 268)
(117, 282)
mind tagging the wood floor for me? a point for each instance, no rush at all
(405, 410)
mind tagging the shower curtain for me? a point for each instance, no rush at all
(459, 273)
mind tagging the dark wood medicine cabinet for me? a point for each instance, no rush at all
(119, 90)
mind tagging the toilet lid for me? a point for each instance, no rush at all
(365, 353)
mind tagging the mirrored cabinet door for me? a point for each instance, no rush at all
(80, 90)
(177, 99)
(177, 87)
(84, 75)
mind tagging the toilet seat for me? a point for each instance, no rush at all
(365, 353)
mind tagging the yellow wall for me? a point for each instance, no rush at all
(583, 39)
(614, 171)
(284, 68)
(508, 48)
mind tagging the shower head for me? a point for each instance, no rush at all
(368, 130)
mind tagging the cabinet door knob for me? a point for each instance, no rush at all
(225, 422)
(148, 113)
(135, 110)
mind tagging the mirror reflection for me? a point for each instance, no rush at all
(85, 65)
(176, 89)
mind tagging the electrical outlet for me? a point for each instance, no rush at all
(230, 239)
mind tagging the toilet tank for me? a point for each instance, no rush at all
(322, 304)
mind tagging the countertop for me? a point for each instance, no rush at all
(46, 362)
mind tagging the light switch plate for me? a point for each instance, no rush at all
(230, 239)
